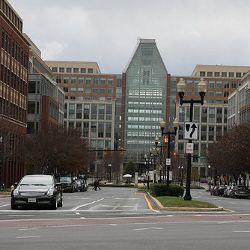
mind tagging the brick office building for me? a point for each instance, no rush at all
(14, 54)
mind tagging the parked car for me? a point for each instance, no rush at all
(68, 184)
(37, 190)
(81, 185)
(214, 190)
(239, 192)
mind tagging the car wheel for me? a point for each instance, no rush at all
(13, 205)
(60, 204)
(55, 204)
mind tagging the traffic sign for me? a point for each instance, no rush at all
(191, 131)
(189, 148)
(168, 161)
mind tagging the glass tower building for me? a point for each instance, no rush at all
(144, 100)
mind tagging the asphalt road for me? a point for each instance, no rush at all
(117, 218)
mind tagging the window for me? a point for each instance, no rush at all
(86, 111)
(31, 107)
(216, 74)
(94, 111)
(146, 77)
(90, 70)
(238, 74)
(101, 111)
(32, 87)
(54, 69)
(75, 70)
(209, 74)
(204, 114)
(224, 74)
(68, 70)
(202, 73)
(108, 130)
(61, 70)
(83, 70)
(101, 130)
(88, 81)
(231, 74)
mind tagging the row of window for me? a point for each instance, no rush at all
(221, 74)
(14, 49)
(88, 111)
(72, 70)
(12, 110)
(85, 80)
(13, 80)
(204, 114)
(89, 90)
(145, 111)
(10, 14)
(92, 129)
(146, 119)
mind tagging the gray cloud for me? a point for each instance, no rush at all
(187, 32)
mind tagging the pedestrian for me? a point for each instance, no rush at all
(98, 185)
(95, 185)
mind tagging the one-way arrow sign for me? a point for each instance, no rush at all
(191, 131)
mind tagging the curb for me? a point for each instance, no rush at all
(158, 206)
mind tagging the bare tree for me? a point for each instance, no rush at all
(231, 155)
(56, 150)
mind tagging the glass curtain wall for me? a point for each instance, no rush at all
(146, 85)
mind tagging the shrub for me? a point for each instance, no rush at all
(159, 189)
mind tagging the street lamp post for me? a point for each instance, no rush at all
(110, 172)
(202, 89)
(168, 133)
(181, 173)
(147, 162)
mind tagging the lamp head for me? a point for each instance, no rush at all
(176, 124)
(181, 87)
(162, 125)
(202, 89)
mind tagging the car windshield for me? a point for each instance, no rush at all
(65, 179)
(36, 181)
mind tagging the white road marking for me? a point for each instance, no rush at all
(5, 205)
(148, 228)
(241, 231)
(28, 228)
(27, 237)
(84, 205)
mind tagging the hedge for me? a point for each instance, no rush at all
(159, 189)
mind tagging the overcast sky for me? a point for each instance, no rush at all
(187, 32)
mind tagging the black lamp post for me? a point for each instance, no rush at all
(202, 89)
(147, 162)
(181, 174)
(168, 133)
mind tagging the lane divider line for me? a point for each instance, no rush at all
(84, 205)
(149, 204)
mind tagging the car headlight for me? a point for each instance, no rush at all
(16, 192)
(50, 192)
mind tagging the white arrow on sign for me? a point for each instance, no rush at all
(191, 131)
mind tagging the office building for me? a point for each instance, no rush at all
(14, 56)
(90, 99)
(239, 104)
(45, 97)
(146, 101)
(212, 117)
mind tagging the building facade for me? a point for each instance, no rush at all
(45, 97)
(146, 101)
(14, 56)
(212, 117)
(239, 104)
(90, 100)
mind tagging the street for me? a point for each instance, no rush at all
(119, 218)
